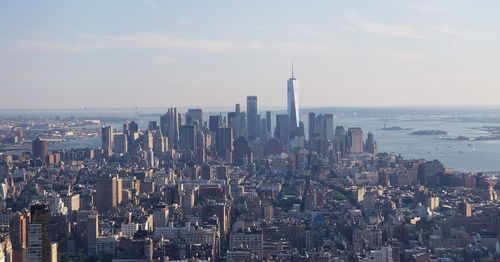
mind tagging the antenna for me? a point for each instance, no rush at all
(292, 68)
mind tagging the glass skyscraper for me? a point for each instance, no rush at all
(293, 101)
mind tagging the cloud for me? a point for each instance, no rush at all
(451, 31)
(392, 30)
(92, 43)
(301, 30)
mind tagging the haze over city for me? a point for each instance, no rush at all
(110, 54)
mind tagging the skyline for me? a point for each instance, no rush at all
(153, 54)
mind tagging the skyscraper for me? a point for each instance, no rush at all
(355, 140)
(282, 130)
(107, 140)
(371, 144)
(293, 101)
(214, 122)
(92, 231)
(40, 148)
(169, 125)
(39, 248)
(252, 123)
(187, 137)
(242, 154)
(268, 121)
(120, 142)
(224, 143)
(108, 192)
(194, 115)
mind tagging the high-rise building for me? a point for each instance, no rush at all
(107, 140)
(311, 125)
(160, 142)
(224, 143)
(268, 121)
(187, 137)
(236, 121)
(252, 123)
(92, 231)
(39, 245)
(293, 101)
(169, 125)
(108, 192)
(160, 215)
(194, 115)
(40, 148)
(339, 142)
(133, 127)
(120, 143)
(282, 130)
(18, 234)
(214, 123)
(147, 140)
(242, 152)
(355, 140)
(371, 144)
(153, 125)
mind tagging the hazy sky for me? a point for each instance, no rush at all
(74, 54)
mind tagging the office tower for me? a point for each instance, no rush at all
(160, 142)
(252, 117)
(187, 137)
(293, 101)
(120, 143)
(321, 126)
(107, 140)
(339, 142)
(282, 131)
(264, 134)
(201, 146)
(108, 192)
(224, 143)
(194, 115)
(125, 129)
(371, 144)
(169, 125)
(355, 140)
(311, 124)
(147, 140)
(18, 234)
(268, 121)
(153, 125)
(40, 148)
(259, 125)
(38, 234)
(133, 127)
(236, 121)
(214, 123)
(328, 127)
(92, 231)
(428, 173)
(160, 215)
(242, 154)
